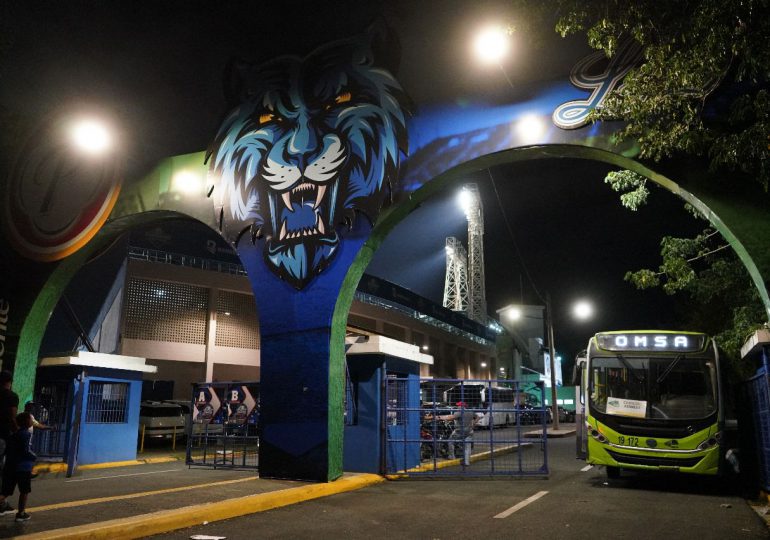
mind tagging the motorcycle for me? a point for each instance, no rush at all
(435, 437)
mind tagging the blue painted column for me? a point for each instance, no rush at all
(299, 438)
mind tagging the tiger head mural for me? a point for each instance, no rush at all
(310, 142)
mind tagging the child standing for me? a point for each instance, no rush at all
(18, 466)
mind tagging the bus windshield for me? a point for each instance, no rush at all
(673, 387)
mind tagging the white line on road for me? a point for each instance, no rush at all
(120, 475)
(521, 505)
(587, 468)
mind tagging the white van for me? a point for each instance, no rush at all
(161, 419)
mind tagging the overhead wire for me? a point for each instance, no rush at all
(513, 238)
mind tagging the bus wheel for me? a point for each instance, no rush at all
(613, 472)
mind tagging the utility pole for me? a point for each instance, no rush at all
(552, 360)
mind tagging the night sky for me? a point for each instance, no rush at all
(156, 68)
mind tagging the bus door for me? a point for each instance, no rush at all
(581, 438)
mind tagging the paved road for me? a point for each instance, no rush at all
(571, 503)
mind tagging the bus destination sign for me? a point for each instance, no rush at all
(650, 341)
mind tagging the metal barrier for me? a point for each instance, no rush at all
(465, 428)
(223, 428)
(759, 394)
(51, 408)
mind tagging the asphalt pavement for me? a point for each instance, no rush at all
(161, 496)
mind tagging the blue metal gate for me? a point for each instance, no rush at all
(223, 428)
(462, 427)
(759, 395)
(52, 408)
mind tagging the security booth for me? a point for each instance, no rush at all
(382, 403)
(224, 426)
(91, 402)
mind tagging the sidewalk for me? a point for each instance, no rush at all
(152, 495)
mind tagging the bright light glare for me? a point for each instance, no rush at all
(583, 310)
(483, 364)
(186, 182)
(513, 313)
(91, 136)
(466, 200)
(424, 347)
(530, 128)
(491, 45)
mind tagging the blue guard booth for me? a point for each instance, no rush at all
(91, 402)
(377, 412)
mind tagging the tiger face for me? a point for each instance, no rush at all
(311, 141)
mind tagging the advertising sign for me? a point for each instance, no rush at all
(207, 406)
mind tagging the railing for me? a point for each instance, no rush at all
(178, 259)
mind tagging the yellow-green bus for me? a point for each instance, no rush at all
(651, 400)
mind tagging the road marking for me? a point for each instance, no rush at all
(587, 468)
(84, 502)
(120, 475)
(521, 505)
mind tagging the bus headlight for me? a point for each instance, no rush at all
(710, 442)
(598, 436)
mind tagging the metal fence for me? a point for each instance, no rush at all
(50, 408)
(759, 395)
(460, 427)
(223, 427)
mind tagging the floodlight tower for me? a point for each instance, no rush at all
(456, 280)
(474, 213)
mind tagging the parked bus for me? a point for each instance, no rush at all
(652, 402)
(506, 403)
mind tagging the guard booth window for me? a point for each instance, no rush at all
(107, 403)
(396, 395)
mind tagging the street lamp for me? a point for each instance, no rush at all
(91, 136)
(582, 310)
(492, 45)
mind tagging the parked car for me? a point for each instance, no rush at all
(161, 419)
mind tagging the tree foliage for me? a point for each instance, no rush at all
(701, 89)
(722, 299)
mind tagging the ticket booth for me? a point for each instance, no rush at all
(372, 361)
(91, 402)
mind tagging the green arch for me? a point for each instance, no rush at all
(35, 323)
(392, 216)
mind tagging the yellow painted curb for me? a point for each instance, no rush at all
(190, 516)
(452, 462)
(62, 467)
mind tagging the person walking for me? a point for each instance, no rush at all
(18, 467)
(9, 407)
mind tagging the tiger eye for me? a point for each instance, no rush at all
(342, 98)
(265, 118)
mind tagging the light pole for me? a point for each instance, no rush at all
(551, 359)
(582, 310)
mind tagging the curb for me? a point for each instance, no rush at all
(190, 516)
(42, 468)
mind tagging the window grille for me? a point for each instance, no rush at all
(237, 321)
(107, 403)
(164, 311)
(396, 390)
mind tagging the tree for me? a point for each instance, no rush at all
(702, 88)
(700, 92)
